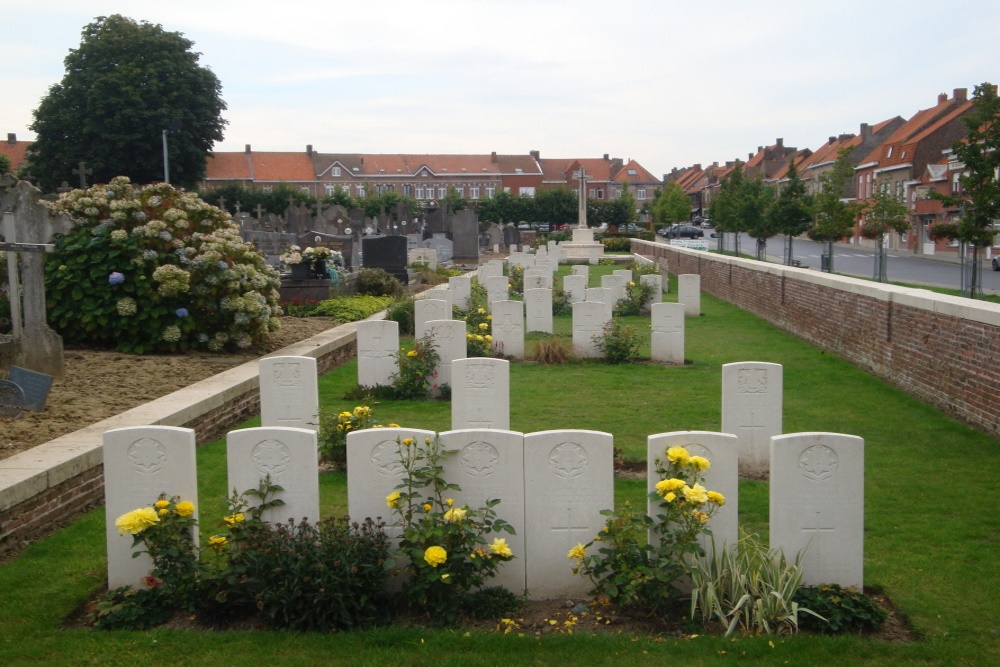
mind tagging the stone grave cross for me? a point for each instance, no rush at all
(582, 177)
(29, 228)
(83, 173)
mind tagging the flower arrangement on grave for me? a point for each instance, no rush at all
(155, 268)
(448, 547)
(293, 255)
(630, 570)
(334, 427)
(323, 254)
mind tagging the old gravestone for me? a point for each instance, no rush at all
(667, 338)
(461, 290)
(441, 245)
(508, 328)
(575, 288)
(289, 393)
(655, 282)
(35, 387)
(817, 505)
(752, 397)
(378, 352)
(387, 253)
(589, 320)
(345, 244)
(488, 464)
(28, 229)
(442, 293)
(603, 295)
(617, 286)
(721, 450)
(425, 310)
(496, 290)
(689, 293)
(480, 396)
(537, 280)
(140, 463)
(11, 399)
(448, 338)
(465, 237)
(428, 256)
(568, 480)
(581, 270)
(289, 457)
(538, 307)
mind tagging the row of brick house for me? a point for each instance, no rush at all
(912, 157)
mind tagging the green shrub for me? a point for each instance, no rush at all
(842, 610)
(515, 275)
(493, 602)
(156, 269)
(378, 282)
(561, 304)
(617, 243)
(618, 343)
(637, 296)
(401, 312)
(299, 307)
(352, 308)
(334, 427)
(416, 377)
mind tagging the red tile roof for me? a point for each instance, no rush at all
(641, 174)
(898, 148)
(227, 166)
(15, 152)
(282, 167)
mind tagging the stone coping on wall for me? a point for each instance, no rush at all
(943, 304)
(31, 472)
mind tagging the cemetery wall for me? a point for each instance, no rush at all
(938, 348)
(49, 485)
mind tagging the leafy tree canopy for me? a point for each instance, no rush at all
(671, 205)
(791, 213)
(884, 213)
(127, 83)
(4, 164)
(833, 218)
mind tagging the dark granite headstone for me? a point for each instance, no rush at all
(387, 253)
(35, 386)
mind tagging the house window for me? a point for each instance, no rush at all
(956, 183)
(593, 193)
(329, 191)
(361, 191)
(600, 193)
(490, 190)
(420, 192)
(633, 172)
(459, 190)
(336, 172)
(304, 189)
(407, 190)
(640, 193)
(268, 188)
(442, 191)
(526, 192)
(473, 192)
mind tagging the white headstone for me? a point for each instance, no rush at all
(581, 270)
(480, 393)
(667, 338)
(496, 290)
(289, 456)
(575, 287)
(448, 338)
(721, 450)
(508, 328)
(461, 290)
(817, 499)
(689, 293)
(537, 281)
(425, 310)
(440, 293)
(426, 256)
(752, 394)
(373, 471)
(616, 287)
(589, 319)
(568, 480)
(549, 264)
(605, 295)
(625, 275)
(655, 283)
(289, 393)
(538, 304)
(488, 465)
(378, 352)
(140, 463)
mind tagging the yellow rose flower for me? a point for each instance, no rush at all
(362, 411)
(484, 326)
(427, 507)
(408, 442)
(672, 484)
(501, 548)
(696, 495)
(435, 556)
(136, 521)
(160, 504)
(392, 499)
(488, 337)
(234, 519)
(344, 416)
(716, 498)
(578, 552)
(631, 284)
(454, 515)
(699, 462)
(411, 353)
(164, 511)
(449, 502)
(393, 425)
(678, 455)
(670, 497)
(217, 542)
(481, 311)
(185, 508)
(701, 516)
(489, 317)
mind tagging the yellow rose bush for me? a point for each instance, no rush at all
(334, 427)
(479, 327)
(444, 546)
(638, 560)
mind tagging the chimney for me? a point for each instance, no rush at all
(779, 142)
(309, 150)
(833, 139)
(11, 138)
(697, 167)
(616, 164)
(715, 165)
(866, 131)
(846, 137)
(961, 94)
(247, 149)
(606, 157)
(535, 154)
(942, 98)
(493, 156)
(750, 155)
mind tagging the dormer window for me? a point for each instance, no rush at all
(633, 172)
(335, 172)
(889, 152)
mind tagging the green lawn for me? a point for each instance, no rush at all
(932, 540)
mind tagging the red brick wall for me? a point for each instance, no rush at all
(949, 361)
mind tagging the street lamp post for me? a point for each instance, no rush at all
(175, 125)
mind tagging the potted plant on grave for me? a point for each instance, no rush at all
(295, 260)
(318, 256)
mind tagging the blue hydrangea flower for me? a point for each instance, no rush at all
(181, 312)
(116, 278)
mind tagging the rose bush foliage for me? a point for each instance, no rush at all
(155, 269)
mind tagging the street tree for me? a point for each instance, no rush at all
(833, 215)
(791, 213)
(979, 153)
(453, 201)
(671, 205)
(124, 86)
(724, 209)
(883, 213)
(755, 201)
(340, 197)
(558, 206)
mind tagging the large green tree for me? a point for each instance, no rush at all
(980, 155)
(791, 213)
(833, 215)
(558, 206)
(884, 213)
(671, 205)
(126, 83)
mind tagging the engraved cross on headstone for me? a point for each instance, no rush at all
(752, 422)
(83, 172)
(566, 526)
(817, 531)
(481, 421)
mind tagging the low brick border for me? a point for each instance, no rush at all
(46, 487)
(941, 349)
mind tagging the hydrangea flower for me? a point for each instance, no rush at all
(116, 278)
(181, 312)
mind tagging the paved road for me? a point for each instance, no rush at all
(852, 260)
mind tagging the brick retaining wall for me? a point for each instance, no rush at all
(941, 349)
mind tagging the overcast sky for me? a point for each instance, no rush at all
(666, 83)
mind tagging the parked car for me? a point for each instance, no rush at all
(996, 263)
(681, 232)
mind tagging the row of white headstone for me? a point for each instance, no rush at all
(552, 486)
